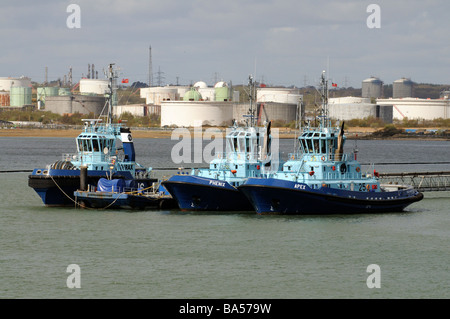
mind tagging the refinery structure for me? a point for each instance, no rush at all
(219, 104)
(402, 104)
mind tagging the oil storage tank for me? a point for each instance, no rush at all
(64, 91)
(93, 86)
(402, 88)
(43, 92)
(222, 92)
(372, 88)
(6, 83)
(4, 98)
(20, 96)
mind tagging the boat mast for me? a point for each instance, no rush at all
(251, 85)
(324, 95)
(111, 76)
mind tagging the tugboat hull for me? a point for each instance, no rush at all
(270, 196)
(204, 194)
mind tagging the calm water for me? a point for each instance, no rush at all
(169, 254)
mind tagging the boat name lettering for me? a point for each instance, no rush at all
(300, 186)
(217, 183)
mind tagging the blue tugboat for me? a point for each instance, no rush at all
(321, 179)
(215, 188)
(104, 148)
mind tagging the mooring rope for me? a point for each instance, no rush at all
(80, 203)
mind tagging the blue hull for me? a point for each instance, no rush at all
(58, 186)
(271, 196)
(199, 193)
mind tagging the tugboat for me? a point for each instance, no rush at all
(105, 149)
(215, 188)
(321, 179)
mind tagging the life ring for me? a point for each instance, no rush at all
(358, 169)
(323, 158)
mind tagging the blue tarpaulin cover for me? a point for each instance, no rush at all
(113, 185)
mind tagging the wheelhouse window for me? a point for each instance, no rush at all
(95, 144)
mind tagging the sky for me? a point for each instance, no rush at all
(279, 42)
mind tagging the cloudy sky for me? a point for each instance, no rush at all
(280, 42)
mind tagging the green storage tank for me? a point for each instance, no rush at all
(64, 91)
(192, 95)
(20, 96)
(41, 93)
(221, 93)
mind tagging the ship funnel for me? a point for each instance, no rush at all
(266, 146)
(128, 145)
(340, 146)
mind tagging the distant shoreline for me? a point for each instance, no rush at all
(351, 133)
(137, 133)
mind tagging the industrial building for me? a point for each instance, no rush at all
(91, 98)
(93, 86)
(372, 104)
(194, 106)
(372, 88)
(15, 91)
(69, 104)
(402, 88)
(283, 105)
(196, 113)
(6, 83)
(136, 110)
(219, 105)
(348, 108)
(415, 108)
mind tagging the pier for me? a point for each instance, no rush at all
(422, 181)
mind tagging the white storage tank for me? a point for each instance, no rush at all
(348, 108)
(93, 86)
(196, 113)
(278, 95)
(7, 82)
(156, 95)
(200, 85)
